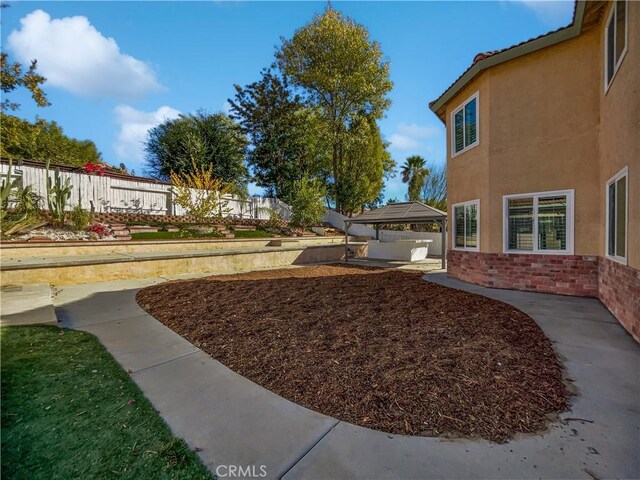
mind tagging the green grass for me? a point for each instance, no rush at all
(69, 411)
(181, 235)
(252, 234)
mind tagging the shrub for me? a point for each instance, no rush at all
(26, 211)
(274, 218)
(80, 218)
(199, 192)
(307, 206)
(58, 194)
(99, 230)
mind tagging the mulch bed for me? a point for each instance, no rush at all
(375, 347)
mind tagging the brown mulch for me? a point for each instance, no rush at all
(375, 347)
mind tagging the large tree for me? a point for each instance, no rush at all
(42, 141)
(343, 74)
(202, 139)
(12, 76)
(414, 171)
(285, 134)
(366, 164)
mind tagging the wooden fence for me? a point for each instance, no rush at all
(125, 194)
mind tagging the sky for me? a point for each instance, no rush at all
(116, 69)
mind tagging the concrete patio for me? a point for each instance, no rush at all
(233, 421)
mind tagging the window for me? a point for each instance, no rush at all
(615, 40)
(465, 126)
(617, 217)
(465, 225)
(539, 222)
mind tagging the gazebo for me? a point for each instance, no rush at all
(401, 213)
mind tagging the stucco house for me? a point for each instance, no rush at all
(543, 162)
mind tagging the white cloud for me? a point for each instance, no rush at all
(134, 125)
(410, 136)
(75, 56)
(403, 142)
(550, 11)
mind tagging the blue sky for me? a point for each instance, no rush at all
(116, 69)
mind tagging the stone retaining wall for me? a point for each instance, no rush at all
(616, 285)
(127, 218)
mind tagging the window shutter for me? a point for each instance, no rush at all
(470, 122)
(459, 216)
(552, 223)
(459, 131)
(612, 219)
(611, 48)
(621, 27)
(621, 217)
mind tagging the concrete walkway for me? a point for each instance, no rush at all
(233, 421)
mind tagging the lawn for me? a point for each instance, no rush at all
(69, 411)
(379, 348)
(186, 235)
(252, 234)
(181, 235)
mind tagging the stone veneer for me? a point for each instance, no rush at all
(616, 285)
(564, 274)
(619, 290)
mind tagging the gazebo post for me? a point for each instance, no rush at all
(443, 249)
(377, 231)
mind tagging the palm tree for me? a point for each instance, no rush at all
(414, 172)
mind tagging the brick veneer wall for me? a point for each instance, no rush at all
(563, 274)
(616, 285)
(117, 217)
(619, 290)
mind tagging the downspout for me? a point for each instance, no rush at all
(346, 241)
(443, 231)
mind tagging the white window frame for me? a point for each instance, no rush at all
(536, 195)
(475, 202)
(616, 258)
(475, 96)
(607, 83)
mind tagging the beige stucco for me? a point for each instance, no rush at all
(619, 131)
(545, 124)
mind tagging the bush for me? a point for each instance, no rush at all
(307, 207)
(199, 192)
(80, 218)
(274, 218)
(99, 230)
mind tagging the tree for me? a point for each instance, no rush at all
(284, 133)
(42, 141)
(414, 172)
(342, 74)
(367, 162)
(202, 139)
(12, 76)
(307, 205)
(434, 190)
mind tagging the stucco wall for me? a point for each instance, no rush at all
(619, 136)
(468, 172)
(546, 124)
(543, 134)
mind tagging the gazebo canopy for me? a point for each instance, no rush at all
(405, 212)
